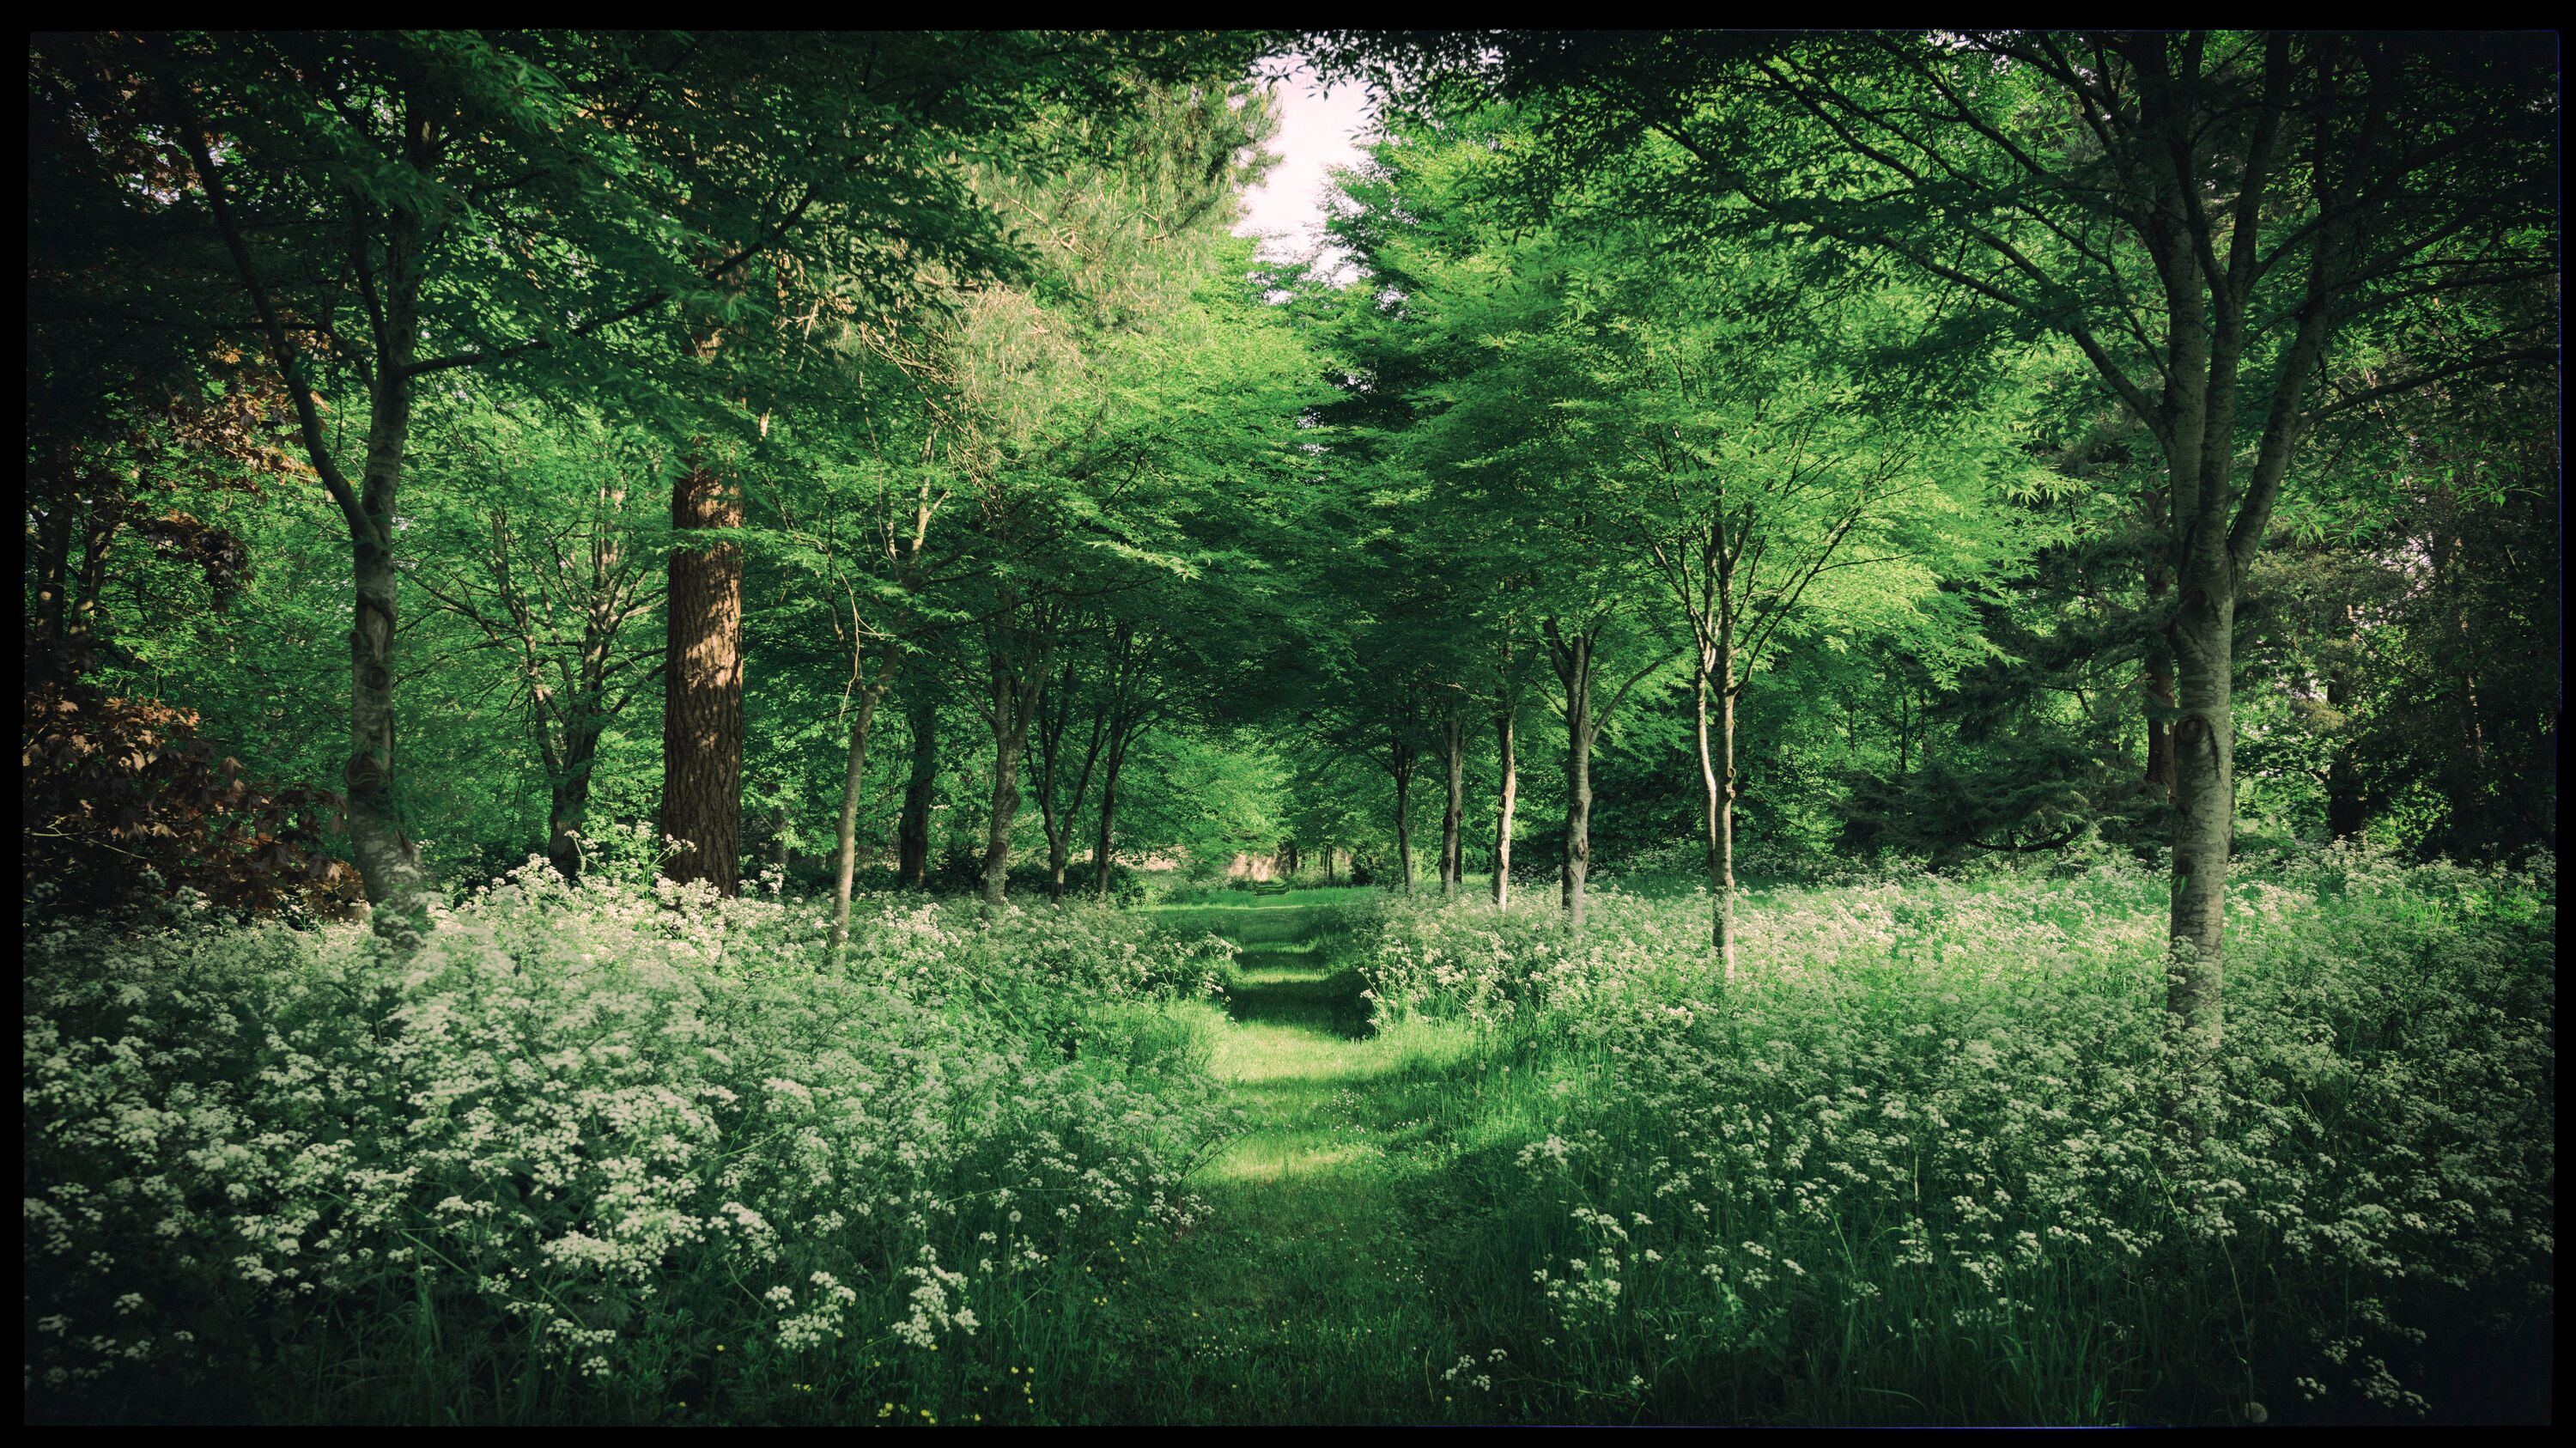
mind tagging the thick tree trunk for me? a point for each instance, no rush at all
(1505, 746)
(1453, 761)
(2202, 631)
(1015, 673)
(388, 862)
(1004, 813)
(912, 833)
(568, 805)
(702, 688)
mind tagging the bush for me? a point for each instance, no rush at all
(1027, 880)
(1922, 1142)
(596, 1151)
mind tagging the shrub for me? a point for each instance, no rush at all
(596, 1151)
(1916, 1163)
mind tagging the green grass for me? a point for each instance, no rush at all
(1307, 1295)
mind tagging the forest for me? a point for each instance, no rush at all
(1797, 728)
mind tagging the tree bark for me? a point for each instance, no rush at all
(1402, 768)
(568, 803)
(53, 569)
(1715, 673)
(1100, 849)
(1005, 812)
(702, 688)
(98, 533)
(1055, 715)
(2344, 811)
(2202, 631)
(1453, 759)
(1574, 666)
(2345, 817)
(912, 834)
(845, 856)
(1015, 655)
(1505, 745)
(388, 862)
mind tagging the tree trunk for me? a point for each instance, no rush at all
(53, 569)
(1109, 768)
(702, 688)
(98, 533)
(2202, 631)
(1574, 664)
(845, 857)
(1453, 758)
(1404, 814)
(1505, 746)
(912, 834)
(2344, 814)
(568, 804)
(388, 862)
(2345, 818)
(1717, 778)
(1005, 812)
(1057, 811)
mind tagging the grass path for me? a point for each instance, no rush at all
(1306, 1296)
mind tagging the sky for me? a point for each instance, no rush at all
(1317, 131)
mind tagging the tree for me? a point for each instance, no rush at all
(2201, 215)
(544, 560)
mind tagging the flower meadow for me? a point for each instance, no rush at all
(1914, 1164)
(624, 1152)
(602, 1151)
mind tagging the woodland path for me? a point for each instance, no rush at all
(1306, 1294)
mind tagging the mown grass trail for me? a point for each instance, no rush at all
(1306, 1295)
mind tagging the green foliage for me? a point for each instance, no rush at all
(1860, 428)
